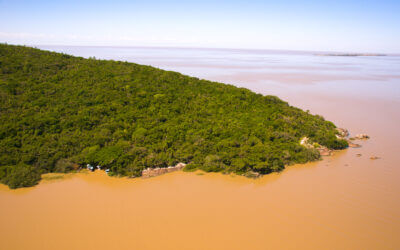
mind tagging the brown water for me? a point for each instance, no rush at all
(342, 202)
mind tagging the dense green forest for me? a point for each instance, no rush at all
(59, 112)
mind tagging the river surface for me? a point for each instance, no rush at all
(345, 201)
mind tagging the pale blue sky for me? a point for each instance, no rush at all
(359, 26)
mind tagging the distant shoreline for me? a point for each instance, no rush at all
(249, 50)
(350, 54)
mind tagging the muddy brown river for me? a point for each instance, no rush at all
(345, 201)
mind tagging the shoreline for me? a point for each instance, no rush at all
(149, 173)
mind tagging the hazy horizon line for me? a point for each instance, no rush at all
(208, 48)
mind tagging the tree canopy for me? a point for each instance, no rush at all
(59, 111)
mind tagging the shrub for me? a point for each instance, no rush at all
(21, 176)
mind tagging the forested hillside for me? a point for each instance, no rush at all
(59, 113)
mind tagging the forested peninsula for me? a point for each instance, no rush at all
(59, 113)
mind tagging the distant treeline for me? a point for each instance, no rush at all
(59, 113)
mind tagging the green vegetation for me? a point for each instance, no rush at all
(19, 175)
(58, 112)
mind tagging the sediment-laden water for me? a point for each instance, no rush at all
(346, 201)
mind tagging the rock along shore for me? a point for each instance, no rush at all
(342, 134)
(151, 172)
